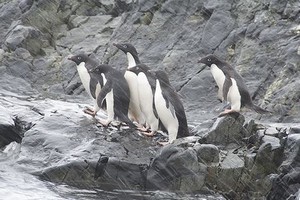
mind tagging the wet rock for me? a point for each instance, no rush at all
(176, 168)
(261, 39)
(229, 172)
(117, 175)
(8, 130)
(207, 153)
(227, 130)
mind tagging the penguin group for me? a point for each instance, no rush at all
(145, 99)
(141, 97)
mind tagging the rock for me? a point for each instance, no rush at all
(8, 130)
(25, 37)
(229, 172)
(176, 169)
(207, 153)
(219, 20)
(25, 5)
(118, 175)
(227, 130)
(288, 181)
(44, 95)
(9, 13)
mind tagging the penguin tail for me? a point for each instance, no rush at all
(259, 109)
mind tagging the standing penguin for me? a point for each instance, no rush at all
(115, 91)
(91, 85)
(169, 107)
(146, 89)
(135, 112)
(234, 89)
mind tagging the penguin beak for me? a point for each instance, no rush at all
(117, 45)
(70, 58)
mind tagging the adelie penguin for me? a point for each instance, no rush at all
(146, 89)
(91, 85)
(233, 87)
(116, 93)
(135, 112)
(169, 107)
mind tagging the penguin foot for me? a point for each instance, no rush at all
(142, 128)
(163, 143)
(104, 123)
(89, 111)
(226, 112)
(151, 134)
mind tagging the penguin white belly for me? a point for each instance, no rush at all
(110, 105)
(165, 114)
(97, 91)
(219, 78)
(131, 60)
(234, 96)
(134, 104)
(84, 77)
(146, 101)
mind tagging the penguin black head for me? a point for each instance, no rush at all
(162, 76)
(127, 48)
(210, 59)
(79, 58)
(100, 69)
(139, 68)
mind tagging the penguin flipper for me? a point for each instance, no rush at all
(226, 86)
(93, 85)
(154, 109)
(104, 91)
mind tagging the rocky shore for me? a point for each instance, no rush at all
(242, 156)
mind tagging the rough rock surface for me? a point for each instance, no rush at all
(241, 156)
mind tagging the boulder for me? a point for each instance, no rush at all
(176, 168)
(286, 184)
(227, 130)
(26, 37)
(8, 129)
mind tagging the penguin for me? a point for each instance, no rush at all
(169, 107)
(146, 89)
(234, 89)
(91, 85)
(135, 112)
(115, 91)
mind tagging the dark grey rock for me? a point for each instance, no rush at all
(118, 175)
(25, 5)
(259, 38)
(207, 153)
(9, 13)
(218, 27)
(227, 130)
(25, 37)
(176, 169)
(8, 130)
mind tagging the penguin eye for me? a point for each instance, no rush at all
(125, 46)
(208, 59)
(79, 58)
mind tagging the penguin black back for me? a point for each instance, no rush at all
(172, 99)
